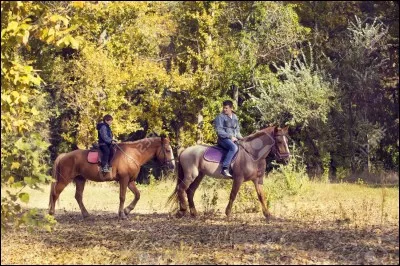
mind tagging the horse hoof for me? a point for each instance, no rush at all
(272, 218)
(86, 216)
(180, 214)
(193, 213)
(126, 211)
(122, 216)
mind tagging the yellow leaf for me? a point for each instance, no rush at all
(44, 33)
(26, 37)
(24, 99)
(15, 94)
(74, 43)
(11, 180)
(12, 26)
(50, 39)
(34, 111)
(15, 165)
(78, 4)
(51, 32)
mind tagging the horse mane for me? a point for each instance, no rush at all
(137, 141)
(256, 134)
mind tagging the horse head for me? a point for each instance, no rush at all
(164, 153)
(281, 149)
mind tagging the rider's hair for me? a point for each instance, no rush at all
(107, 118)
(228, 102)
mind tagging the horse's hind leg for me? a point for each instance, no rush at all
(190, 193)
(80, 186)
(56, 189)
(182, 187)
(133, 188)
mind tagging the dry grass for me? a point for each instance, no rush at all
(324, 224)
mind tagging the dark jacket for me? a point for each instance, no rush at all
(104, 133)
(227, 127)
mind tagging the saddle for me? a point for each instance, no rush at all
(95, 154)
(216, 154)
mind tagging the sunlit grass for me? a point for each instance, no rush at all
(317, 218)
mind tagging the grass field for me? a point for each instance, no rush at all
(321, 224)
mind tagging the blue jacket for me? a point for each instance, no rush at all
(104, 133)
(227, 127)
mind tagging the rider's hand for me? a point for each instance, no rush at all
(113, 141)
(234, 139)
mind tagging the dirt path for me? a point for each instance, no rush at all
(159, 238)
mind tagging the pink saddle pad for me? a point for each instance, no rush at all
(216, 154)
(93, 157)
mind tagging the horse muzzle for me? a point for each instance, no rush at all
(283, 158)
(171, 165)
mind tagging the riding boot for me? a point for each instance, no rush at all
(225, 172)
(105, 169)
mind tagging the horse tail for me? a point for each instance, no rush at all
(55, 174)
(173, 198)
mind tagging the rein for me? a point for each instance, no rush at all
(144, 166)
(244, 148)
(273, 149)
(249, 153)
(127, 155)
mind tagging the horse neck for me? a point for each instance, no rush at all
(265, 150)
(144, 150)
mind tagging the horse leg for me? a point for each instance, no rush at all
(181, 191)
(190, 194)
(123, 183)
(261, 198)
(55, 191)
(80, 186)
(133, 188)
(237, 182)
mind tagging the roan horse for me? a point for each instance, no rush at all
(249, 165)
(128, 159)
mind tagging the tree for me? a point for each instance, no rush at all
(24, 132)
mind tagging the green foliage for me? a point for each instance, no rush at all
(287, 180)
(167, 66)
(304, 95)
(209, 196)
(246, 199)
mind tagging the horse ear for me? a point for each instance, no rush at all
(163, 136)
(276, 129)
(285, 129)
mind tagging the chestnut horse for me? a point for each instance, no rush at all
(128, 159)
(249, 165)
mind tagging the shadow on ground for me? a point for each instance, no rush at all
(281, 242)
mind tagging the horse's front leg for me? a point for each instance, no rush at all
(261, 198)
(133, 188)
(237, 182)
(123, 183)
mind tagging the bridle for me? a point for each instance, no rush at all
(275, 149)
(163, 150)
